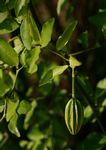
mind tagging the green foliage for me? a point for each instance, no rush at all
(7, 54)
(8, 25)
(3, 16)
(12, 126)
(52, 73)
(25, 33)
(93, 141)
(49, 53)
(64, 38)
(47, 28)
(60, 5)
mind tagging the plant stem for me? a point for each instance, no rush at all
(17, 72)
(59, 55)
(84, 51)
(4, 112)
(73, 83)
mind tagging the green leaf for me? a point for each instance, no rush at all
(35, 134)
(12, 126)
(59, 70)
(73, 62)
(20, 4)
(8, 54)
(93, 141)
(18, 45)
(2, 105)
(11, 4)
(47, 32)
(24, 107)
(34, 30)
(88, 113)
(5, 84)
(25, 33)
(1, 136)
(46, 78)
(32, 57)
(23, 57)
(51, 74)
(8, 25)
(29, 114)
(11, 108)
(3, 16)
(102, 84)
(98, 19)
(60, 4)
(64, 38)
(23, 143)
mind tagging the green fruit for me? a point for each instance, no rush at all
(74, 115)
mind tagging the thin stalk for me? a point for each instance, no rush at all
(17, 72)
(73, 83)
(4, 112)
(83, 51)
(59, 55)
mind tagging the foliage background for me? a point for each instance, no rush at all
(40, 124)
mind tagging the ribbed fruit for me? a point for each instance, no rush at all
(74, 115)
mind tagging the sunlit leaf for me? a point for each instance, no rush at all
(23, 57)
(2, 104)
(34, 30)
(87, 113)
(8, 54)
(25, 33)
(24, 107)
(5, 84)
(3, 16)
(35, 134)
(51, 74)
(60, 4)
(46, 78)
(18, 45)
(73, 62)
(8, 25)
(29, 114)
(20, 4)
(64, 38)
(11, 108)
(46, 32)
(12, 126)
(102, 84)
(59, 70)
(32, 57)
(23, 143)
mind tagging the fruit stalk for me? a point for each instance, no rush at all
(73, 83)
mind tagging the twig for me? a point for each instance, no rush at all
(59, 55)
(84, 51)
(4, 112)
